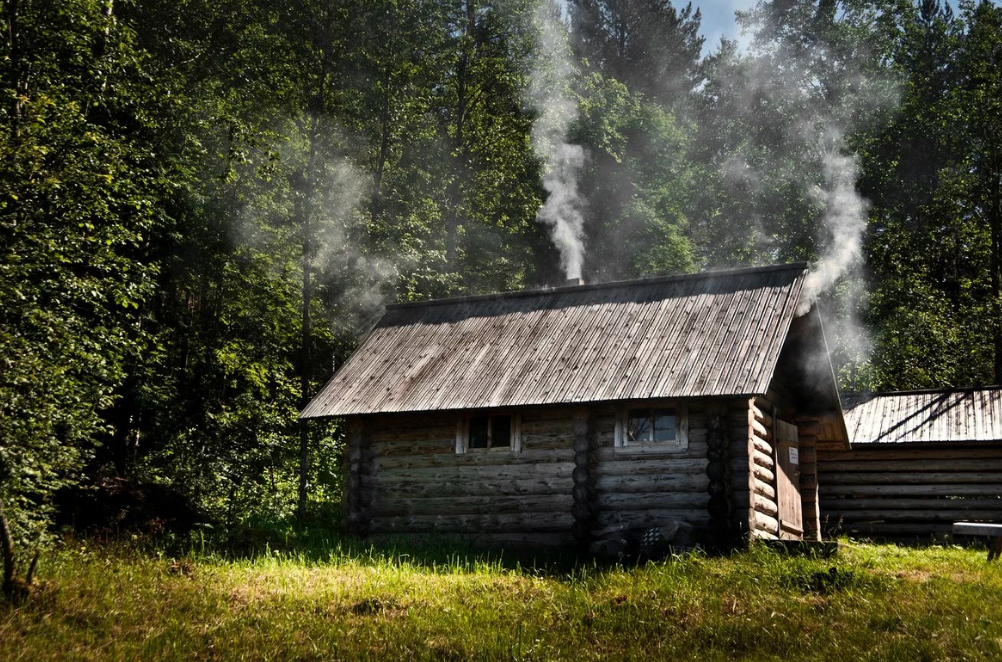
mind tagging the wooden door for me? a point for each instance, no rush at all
(787, 451)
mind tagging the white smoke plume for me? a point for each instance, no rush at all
(844, 219)
(550, 93)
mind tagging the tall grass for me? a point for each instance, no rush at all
(335, 599)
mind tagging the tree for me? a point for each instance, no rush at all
(78, 180)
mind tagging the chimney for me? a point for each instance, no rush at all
(572, 282)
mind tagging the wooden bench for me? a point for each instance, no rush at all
(979, 529)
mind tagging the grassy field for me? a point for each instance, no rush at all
(871, 602)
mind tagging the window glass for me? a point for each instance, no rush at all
(664, 425)
(478, 431)
(500, 431)
(638, 425)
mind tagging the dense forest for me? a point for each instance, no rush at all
(204, 204)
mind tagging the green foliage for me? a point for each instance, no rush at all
(204, 206)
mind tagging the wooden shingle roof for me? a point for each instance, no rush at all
(710, 334)
(937, 416)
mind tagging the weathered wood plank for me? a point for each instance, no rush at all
(764, 522)
(916, 489)
(497, 523)
(652, 500)
(645, 466)
(526, 486)
(763, 460)
(696, 450)
(471, 505)
(912, 466)
(475, 458)
(764, 505)
(763, 474)
(765, 489)
(929, 503)
(499, 472)
(904, 452)
(929, 478)
(651, 518)
(667, 482)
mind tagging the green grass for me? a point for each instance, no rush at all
(351, 602)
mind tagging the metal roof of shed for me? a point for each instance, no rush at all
(709, 334)
(935, 416)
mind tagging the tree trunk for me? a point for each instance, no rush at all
(7, 548)
(384, 146)
(304, 210)
(462, 100)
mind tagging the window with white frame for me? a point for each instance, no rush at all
(490, 431)
(658, 426)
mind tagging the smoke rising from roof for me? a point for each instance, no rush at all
(845, 219)
(550, 93)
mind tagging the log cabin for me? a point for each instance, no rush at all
(592, 415)
(920, 461)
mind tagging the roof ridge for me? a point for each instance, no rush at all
(515, 294)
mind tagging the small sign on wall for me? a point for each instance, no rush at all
(794, 455)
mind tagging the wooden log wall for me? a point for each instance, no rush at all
(585, 496)
(358, 495)
(421, 485)
(908, 491)
(764, 512)
(567, 483)
(649, 489)
(808, 431)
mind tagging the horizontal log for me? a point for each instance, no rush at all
(401, 436)
(474, 458)
(499, 523)
(651, 518)
(763, 474)
(472, 505)
(541, 442)
(929, 515)
(764, 489)
(984, 465)
(761, 445)
(763, 505)
(421, 447)
(929, 478)
(526, 486)
(765, 523)
(652, 483)
(499, 472)
(808, 456)
(918, 489)
(760, 416)
(929, 503)
(667, 464)
(763, 460)
(694, 451)
(759, 534)
(760, 430)
(652, 501)
(830, 446)
(911, 452)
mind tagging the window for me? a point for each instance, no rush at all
(488, 432)
(652, 427)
